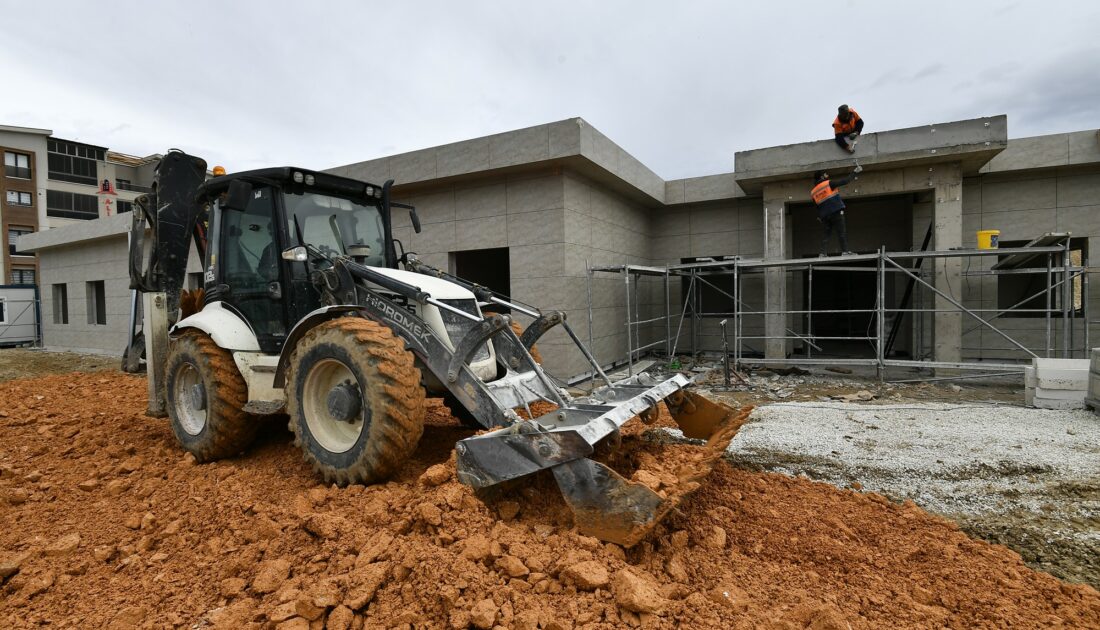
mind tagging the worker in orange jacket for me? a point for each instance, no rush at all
(830, 208)
(846, 127)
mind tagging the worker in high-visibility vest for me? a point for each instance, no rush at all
(846, 128)
(830, 208)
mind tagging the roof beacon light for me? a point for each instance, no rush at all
(309, 180)
(297, 177)
(219, 171)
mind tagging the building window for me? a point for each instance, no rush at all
(67, 205)
(1028, 291)
(72, 162)
(124, 206)
(60, 304)
(20, 275)
(19, 198)
(3, 310)
(17, 165)
(97, 303)
(13, 234)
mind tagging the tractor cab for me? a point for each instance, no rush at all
(270, 229)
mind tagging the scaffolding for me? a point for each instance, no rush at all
(1063, 294)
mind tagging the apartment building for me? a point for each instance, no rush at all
(50, 182)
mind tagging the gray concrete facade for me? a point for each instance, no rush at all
(562, 196)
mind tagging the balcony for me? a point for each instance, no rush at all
(21, 172)
(121, 184)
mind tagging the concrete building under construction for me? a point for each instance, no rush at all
(560, 216)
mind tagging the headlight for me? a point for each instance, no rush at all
(297, 177)
(309, 180)
(370, 191)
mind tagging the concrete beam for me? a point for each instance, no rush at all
(972, 143)
(777, 246)
(84, 231)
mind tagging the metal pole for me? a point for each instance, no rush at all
(881, 316)
(1050, 287)
(668, 316)
(629, 339)
(962, 308)
(588, 289)
(637, 313)
(725, 354)
(1067, 304)
(810, 308)
(697, 303)
(1085, 305)
(737, 313)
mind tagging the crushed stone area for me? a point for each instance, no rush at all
(1023, 477)
(109, 524)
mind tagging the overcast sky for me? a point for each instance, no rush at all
(682, 86)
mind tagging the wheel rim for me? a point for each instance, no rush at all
(332, 433)
(191, 416)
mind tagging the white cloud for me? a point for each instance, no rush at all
(681, 86)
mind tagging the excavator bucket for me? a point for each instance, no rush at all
(605, 504)
(614, 509)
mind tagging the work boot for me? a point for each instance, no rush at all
(822, 255)
(847, 253)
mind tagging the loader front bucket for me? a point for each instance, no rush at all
(605, 504)
(614, 509)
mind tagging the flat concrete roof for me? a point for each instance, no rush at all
(31, 130)
(572, 142)
(971, 142)
(95, 229)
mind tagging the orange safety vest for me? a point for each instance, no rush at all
(823, 191)
(848, 127)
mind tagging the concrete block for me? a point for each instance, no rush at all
(532, 195)
(1078, 190)
(530, 228)
(564, 137)
(1026, 194)
(1028, 153)
(1029, 378)
(1077, 395)
(670, 249)
(675, 192)
(438, 207)
(1084, 147)
(537, 261)
(480, 234)
(577, 194)
(459, 158)
(711, 188)
(1021, 224)
(708, 219)
(482, 201)
(670, 222)
(1057, 405)
(715, 244)
(435, 238)
(519, 147)
(578, 228)
(1080, 220)
(415, 166)
(1061, 373)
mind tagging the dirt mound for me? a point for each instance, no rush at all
(108, 524)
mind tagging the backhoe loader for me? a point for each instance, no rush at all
(311, 308)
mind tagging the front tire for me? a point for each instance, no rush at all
(355, 401)
(206, 394)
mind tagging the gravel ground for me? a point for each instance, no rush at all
(1026, 478)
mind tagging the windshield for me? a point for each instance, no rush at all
(325, 220)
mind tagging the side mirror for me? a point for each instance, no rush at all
(296, 254)
(415, 220)
(238, 195)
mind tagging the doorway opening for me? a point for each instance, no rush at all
(872, 223)
(487, 267)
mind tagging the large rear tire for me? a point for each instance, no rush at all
(206, 394)
(355, 401)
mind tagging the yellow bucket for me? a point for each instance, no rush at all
(987, 239)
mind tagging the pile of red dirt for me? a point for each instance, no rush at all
(107, 523)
